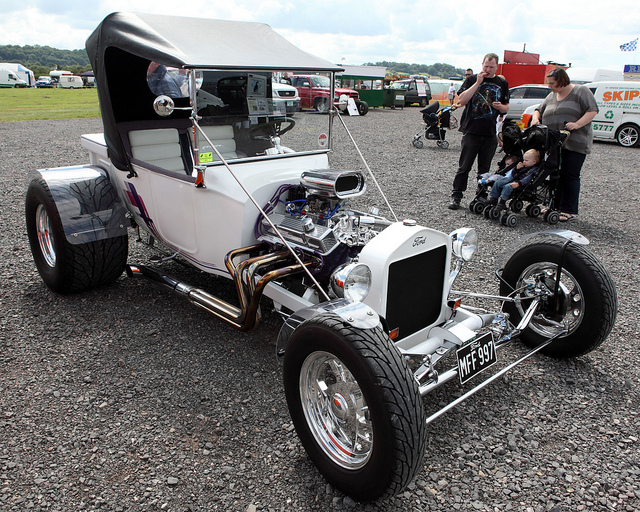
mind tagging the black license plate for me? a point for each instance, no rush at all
(476, 357)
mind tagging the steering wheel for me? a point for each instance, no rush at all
(275, 126)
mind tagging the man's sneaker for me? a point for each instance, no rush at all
(454, 204)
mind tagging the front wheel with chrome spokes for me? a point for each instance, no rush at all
(355, 406)
(335, 410)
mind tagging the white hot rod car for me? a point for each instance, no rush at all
(201, 161)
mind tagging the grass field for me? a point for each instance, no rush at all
(31, 103)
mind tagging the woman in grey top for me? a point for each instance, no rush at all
(568, 107)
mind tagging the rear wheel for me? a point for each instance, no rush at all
(66, 267)
(552, 217)
(363, 107)
(423, 102)
(355, 406)
(628, 135)
(321, 105)
(509, 219)
(494, 213)
(534, 210)
(516, 205)
(585, 304)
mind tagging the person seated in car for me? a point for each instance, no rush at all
(521, 176)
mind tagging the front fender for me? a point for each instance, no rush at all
(87, 203)
(356, 314)
(542, 236)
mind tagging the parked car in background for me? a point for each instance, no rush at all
(524, 96)
(287, 96)
(416, 91)
(44, 81)
(314, 93)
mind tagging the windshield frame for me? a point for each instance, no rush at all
(195, 84)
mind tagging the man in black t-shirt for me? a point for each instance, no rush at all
(485, 96)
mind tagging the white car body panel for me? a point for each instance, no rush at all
(220, 218)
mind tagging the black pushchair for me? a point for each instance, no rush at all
(540, 192)
(436, 120)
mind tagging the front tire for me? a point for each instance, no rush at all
(66, 267)
(586, 302)
(355, 406)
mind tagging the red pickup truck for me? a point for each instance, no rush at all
(314, 91)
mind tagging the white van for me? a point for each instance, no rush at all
(588, 75)
(619, 111)
(10, 79)
(70, 82)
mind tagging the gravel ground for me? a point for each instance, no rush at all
(127, 398)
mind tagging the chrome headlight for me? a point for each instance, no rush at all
(465, 243)
(352, 281)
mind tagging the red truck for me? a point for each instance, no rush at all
(314, 91)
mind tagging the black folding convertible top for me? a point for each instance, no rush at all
(122, 46)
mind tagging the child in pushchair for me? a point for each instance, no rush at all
(510, 139)
(519, 177)
(487, 179)
(435, 122)
(540, 191)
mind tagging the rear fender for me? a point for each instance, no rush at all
(88, 204)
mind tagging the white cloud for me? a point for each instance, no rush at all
(417, 32)
(33, 27)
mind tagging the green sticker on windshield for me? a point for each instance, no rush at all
(206, 157)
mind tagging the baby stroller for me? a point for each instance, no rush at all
(540, 192)
(511, 138)
(436, 120)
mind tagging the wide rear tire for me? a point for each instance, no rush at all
(587, 300)
(355, 406)
(66, 267)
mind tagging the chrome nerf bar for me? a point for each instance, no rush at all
(483, 384)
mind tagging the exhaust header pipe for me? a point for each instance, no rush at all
(244, 275)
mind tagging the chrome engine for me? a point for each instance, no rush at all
(317, 214)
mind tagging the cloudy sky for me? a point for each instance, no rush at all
(585, 33)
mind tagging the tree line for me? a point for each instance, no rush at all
(42, 59)
(438, 69)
